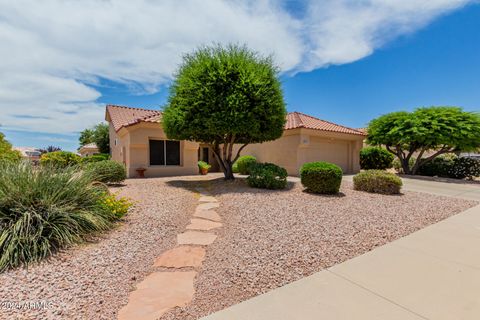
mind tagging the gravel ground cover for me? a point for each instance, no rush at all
(271, 238)
(268, 239)
(92, 281)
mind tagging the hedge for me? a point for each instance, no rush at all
(321, 177)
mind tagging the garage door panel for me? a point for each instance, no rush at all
(336, 153)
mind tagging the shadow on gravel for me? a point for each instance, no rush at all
(219, 186)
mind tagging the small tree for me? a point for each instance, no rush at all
(6, 151)
(437, 129)
(225, 96)
(86, 137)
(99, 135)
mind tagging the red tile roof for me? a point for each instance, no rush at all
(299, 120)
(122, 116)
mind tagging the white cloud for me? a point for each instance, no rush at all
(51, 50)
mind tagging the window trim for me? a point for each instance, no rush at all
(165, 153)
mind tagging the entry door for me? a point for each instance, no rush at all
(205, 154)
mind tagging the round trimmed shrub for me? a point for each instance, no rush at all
(267, 176)
(375, 158)
(321, 177)
(244, 163)
(60, 159)
(377, 181)
(107, 171)
(465, 167)
(439, 166)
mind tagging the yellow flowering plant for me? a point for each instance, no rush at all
(117, 206)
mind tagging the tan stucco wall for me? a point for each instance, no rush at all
(135, 140)
(299, 146)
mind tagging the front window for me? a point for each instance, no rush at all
(164, 153)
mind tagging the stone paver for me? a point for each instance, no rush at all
(201, 224)
(207, 214)
(196, 237)
(207, 206)
(207, 199)
(180, 257)
(158, 293)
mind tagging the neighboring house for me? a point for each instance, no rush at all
(30, 153)
(138, 141)
(88, 150)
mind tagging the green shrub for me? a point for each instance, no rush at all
(439, 166)
(377, 181)
(244, 163)
(107, 171)
(267, 176)
(60, 159)
(398, 166)
(321, 177)
(203, 165)
(235, 167)
(465, 167)
(96, 157)
(117, 206)
(46, 208)
(375, 158)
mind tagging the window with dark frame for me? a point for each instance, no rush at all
(164, 153)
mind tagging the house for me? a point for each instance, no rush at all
(88, 150)
(30, 153)
(138, 141)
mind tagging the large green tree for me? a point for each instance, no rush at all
(98, 134)
(223, 96)
(6, 151)
(437, 130)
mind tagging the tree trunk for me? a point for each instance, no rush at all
(228, 172)
(406, 166)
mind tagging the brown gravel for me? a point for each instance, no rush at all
(271, 238)
(268, 239)
(93, 281)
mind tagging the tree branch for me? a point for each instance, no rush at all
(238, 152)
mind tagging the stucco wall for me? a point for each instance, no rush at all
(299, 146)
(138, 154)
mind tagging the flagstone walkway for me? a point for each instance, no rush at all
(173, 286)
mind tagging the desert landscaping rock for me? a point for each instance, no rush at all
(207, 206)
(181, 257)
(93, 281)
(158, 293)
(207, 214)
(271, 238)
(196, 237)
(201, 224)
(207, 199)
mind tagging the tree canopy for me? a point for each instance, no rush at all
(98, 134)
(222, 96)
(436, 129)
(6, 150)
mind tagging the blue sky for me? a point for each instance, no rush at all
(432, 59)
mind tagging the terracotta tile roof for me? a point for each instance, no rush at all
(300, 120)
(122, 116)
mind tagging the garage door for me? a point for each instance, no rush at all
(334, 152)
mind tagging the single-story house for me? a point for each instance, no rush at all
(88, 150)
(30, 153)
(138, 141)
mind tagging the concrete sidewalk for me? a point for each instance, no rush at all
(433, 273)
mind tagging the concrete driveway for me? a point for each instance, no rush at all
(433, 273)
